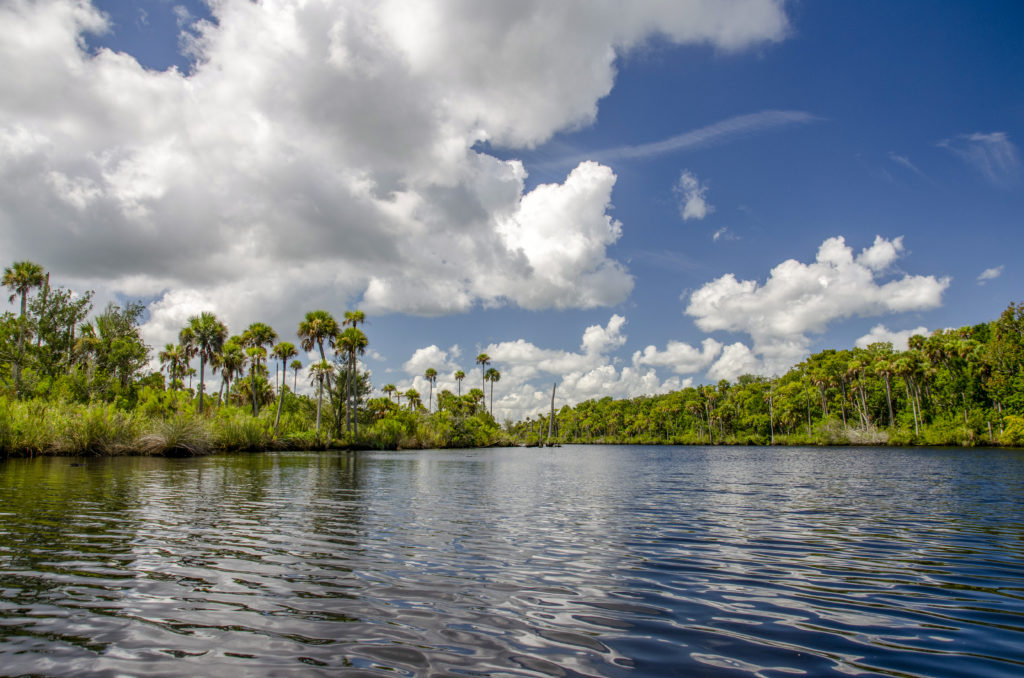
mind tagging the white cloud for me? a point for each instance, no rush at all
(736, 360)
(680, 357)
(881, 333)
(691, 193)
(798, 299)
(723, 234)
(905, 162)
(528, 371)
(709, 135)
(993, 155)
(328, 145)
(990, 274)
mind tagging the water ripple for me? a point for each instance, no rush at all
(573, 562)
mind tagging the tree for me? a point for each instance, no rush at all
(389, 390)
(20, 278)
(296, 365)
(431, 376)
(257, 336)
(482, 360)
(352, 343)
(316, 328)
(283, 352)
(459, 376)
(173, 359)
(232, 363)
(208, 335)
(112, 345)
(492, 375)
(413, 396)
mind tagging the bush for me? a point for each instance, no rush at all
(176, 436)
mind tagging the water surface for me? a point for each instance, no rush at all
(595, 561)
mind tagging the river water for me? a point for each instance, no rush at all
(596, 561)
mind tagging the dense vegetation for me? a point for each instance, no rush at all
(74, 385)
(955, 387)
(70, 385)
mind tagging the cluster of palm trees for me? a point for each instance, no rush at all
(207, 338)
(487, 375)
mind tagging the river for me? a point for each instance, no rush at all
(573, 561)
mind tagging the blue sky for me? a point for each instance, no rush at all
(607, 203)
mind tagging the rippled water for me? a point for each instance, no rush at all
(598, 561)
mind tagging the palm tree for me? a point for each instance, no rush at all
(207, 337)
(431, 376)
(318, 372)
(283, 352)
(352, 342)
(172, 358)
(232, 363)
(459, 376)
(296, 365)
(388, 390)
(316, 328)
(413, 396)
(492, 375)
(354, 318)
(482, 360)
(257, 336)
(20, 278)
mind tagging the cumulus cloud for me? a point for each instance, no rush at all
(880, 333)
(325, 153)
(993, 155)
(680, 357)
(736, 360)
(799, 299)
(691, 194)
(528, 371)
(990, 274)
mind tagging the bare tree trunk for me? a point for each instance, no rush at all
(551, 420)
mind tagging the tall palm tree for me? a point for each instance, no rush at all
(207, 337)
(492, 375)
(316, 328)
(257, 336)
(232, 363)
(352, 342)
(20, 278)
(482, 360)
(431, 377)
(413, 396)
(283, 352)
(172, 358)
(352, 319)
(459, 376)
(296, 365)
(388, 390)
(318, 372)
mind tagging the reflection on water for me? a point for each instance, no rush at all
(594, 561)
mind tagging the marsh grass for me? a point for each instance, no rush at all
(183, 435)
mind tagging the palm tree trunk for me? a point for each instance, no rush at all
(280, 401)
(21, 338)
(202, 380)
(319, 402)
(252, 388)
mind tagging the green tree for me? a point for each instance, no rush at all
(431, 376)
(283, 351)
(315, 329)
(492, 375)
(208, 335)
(459, 376)
(483, 360)
(257, 336)
(232, 363)
(352, 343)
(296, 365)
(20, 278)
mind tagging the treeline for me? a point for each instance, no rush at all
(74, 385)
(955, 387)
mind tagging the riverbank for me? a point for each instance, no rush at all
(38, 427)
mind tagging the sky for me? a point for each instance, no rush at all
(623, 198)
